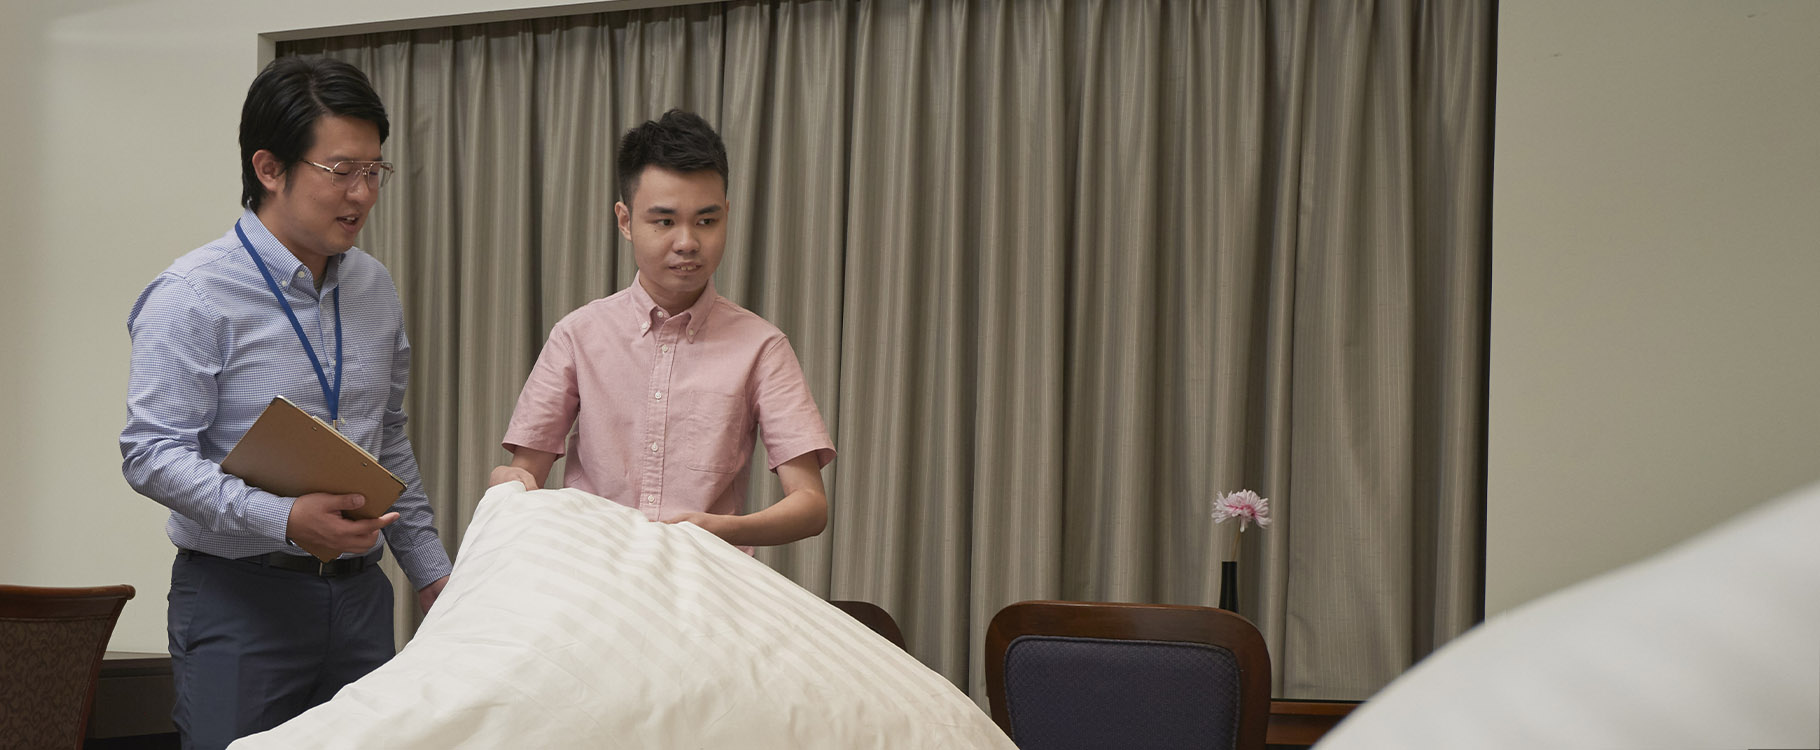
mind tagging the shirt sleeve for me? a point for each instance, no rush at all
(787, 416)
(413, 537)
(171, 400)
(548, 404)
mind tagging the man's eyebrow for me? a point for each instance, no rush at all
(713, 208)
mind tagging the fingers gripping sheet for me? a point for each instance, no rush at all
(571, 621)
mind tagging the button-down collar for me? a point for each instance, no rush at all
(653, 316)
(284, 265)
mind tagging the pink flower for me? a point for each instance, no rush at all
(1244, 505)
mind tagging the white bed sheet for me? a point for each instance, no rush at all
(571, 621)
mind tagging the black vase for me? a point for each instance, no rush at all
(1229, 585)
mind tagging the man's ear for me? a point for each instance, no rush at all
(270, 170)
(625, 220)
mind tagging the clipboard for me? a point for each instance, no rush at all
(289, 452)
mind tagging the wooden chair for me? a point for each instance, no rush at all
(1092, 675)
(51, 644)
(874, 617)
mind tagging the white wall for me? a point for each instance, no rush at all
(1655, 223)
(1656, 277)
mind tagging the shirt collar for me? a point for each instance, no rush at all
(283, 264)
(696, 316)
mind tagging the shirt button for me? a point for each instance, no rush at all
(300, 273)
(661, 315)
(654, 447)
(658, 396)
(665, 348)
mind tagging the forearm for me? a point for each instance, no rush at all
(528, 466)
(799, 515)
(176, 475)
(535, 462)
(413, 539)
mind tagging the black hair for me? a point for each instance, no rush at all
(282, 107)
(679, 141)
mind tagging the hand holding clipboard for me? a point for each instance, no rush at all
(290, 453)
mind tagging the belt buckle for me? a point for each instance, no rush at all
(322, 569)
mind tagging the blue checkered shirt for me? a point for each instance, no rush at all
(211, 348)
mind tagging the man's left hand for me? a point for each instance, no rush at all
(426, 596)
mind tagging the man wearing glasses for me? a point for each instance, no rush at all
(280, 305)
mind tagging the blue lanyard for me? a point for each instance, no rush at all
(331, 395)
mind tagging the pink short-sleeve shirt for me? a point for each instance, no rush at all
(664, 408)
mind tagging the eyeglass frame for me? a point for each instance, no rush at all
(384, 169)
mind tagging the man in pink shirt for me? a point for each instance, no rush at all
(667, 378)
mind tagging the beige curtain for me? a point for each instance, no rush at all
(1059, 271)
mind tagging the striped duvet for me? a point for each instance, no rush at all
(571, 621)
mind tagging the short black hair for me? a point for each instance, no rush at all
(282, 107)
(679, 141)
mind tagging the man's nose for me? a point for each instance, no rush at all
(363, 191)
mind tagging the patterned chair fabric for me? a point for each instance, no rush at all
(51, 645)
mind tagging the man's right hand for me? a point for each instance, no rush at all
(503, 474)
(316, 521)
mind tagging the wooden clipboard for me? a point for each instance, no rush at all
(289, 452)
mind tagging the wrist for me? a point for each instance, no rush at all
(737, 529)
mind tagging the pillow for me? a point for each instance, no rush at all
(572, 621)
(1713, 643)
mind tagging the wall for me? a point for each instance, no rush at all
(1656, 209)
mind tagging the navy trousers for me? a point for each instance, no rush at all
(252, 646)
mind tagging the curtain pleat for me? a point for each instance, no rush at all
(1058, 271)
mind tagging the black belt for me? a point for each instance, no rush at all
(303, 564)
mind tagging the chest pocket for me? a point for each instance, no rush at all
(713, 432)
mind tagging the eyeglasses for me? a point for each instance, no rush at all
(343, 173)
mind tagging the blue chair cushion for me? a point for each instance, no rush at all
(1064, 692)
